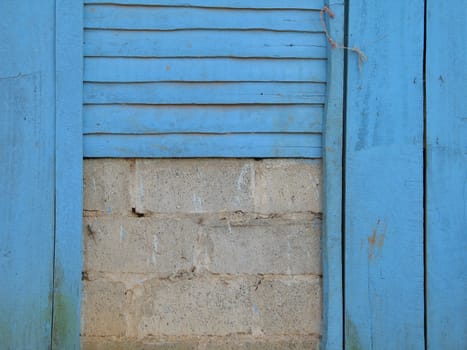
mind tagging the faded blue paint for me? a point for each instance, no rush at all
(446, 175)
(333, 186)
(171, 18)
(209, 145)
(204, 43)
(27, 134)
(248, 4)
(228, 78)
(68, 175)
(121, 70)
(204, 93)
(384, 275)
(117, 119)
(41, 148)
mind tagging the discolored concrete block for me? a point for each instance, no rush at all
(160, 246)
(194, 185)
(201, 254)
(289, 305)
(103, 306)
(287, 185)
(266, 246)
(195, 306)
(107, 185)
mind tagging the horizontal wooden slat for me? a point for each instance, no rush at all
(260, 4)
(141, 119)
(173, 18)
(204, 145)
(204, 43)
(204, 93)
(100, 69)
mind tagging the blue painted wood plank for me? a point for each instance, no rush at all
(172, 18)
(68, 175)
(384, 274)
(204, 145)
(27, 134)
(446, 175)
(105, 69)
(333, 333)
(271, 4)
(141, 119)
(204, 93)
(204, 43)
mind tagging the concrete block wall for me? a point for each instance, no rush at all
(201, 254)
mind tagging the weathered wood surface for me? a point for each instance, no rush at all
(117, 70)
(204, 43)
(203, 145)
(333, 334)
(446, 175)
(173, 18)
(192, 69)
(151, 119)
(257, 4)
(204, 93)
(27, 135)
(68, 175)
(384, 274)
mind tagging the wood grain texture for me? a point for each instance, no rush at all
(27, 134)
(173, 18)
(384, 275)
(204, 145)
(204, 43)
(194, 69)
(446, 175)
(259, 4)
(333, 334)
(106, 69)
(141, 119)
(68, 175)
(204, 93)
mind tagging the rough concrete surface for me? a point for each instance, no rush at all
(201, 254)
(211, 343)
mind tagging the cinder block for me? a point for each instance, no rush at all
(268, 343)
(189, 274)
(107, 185)
(195, 307)
(107, 344)
(288, 185)
(287, 306)
(265, 246)
(103, 308)
(150, 245)
(206, 343)
(194, 185)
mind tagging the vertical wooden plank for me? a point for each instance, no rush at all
(69, 159)
(27, 95)
(332, 177)
(384, 274)
(446, 175)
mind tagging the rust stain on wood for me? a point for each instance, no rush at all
(376, 239)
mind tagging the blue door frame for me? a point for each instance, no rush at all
(395, 176)
(68, 174)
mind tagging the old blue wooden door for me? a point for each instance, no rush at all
(406, 176)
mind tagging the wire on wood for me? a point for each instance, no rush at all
(361, 56)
